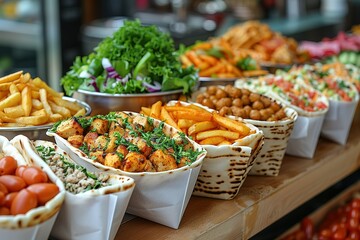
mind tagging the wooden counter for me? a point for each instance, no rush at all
(261, 200)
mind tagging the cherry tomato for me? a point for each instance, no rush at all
(352, 223)
(325, 233)
(9, 198)
(24, 201)
(19, 170)
(354, 213)
(4, 211)
(2, 198)
(8, 165)
(307, 226)
(33, 175)
(355, 203)
(340, 232)
(354, 235)
(12, 183)
(44, 191)
(3, 189)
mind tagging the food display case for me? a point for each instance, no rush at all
(188, 168)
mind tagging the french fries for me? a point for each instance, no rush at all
(204, 127)
(30, 102)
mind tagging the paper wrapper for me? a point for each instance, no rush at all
(338, 120)
(276, 134)
(305, 135)
(105, 206)
(226, 167)
(38, 222)
(160, 197)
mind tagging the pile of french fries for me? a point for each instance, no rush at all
(31, 102)
(210, 65)
(260, 42)
(206, 128)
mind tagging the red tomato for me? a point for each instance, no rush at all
(8, 165)
(12, 183)
(355, 203)
(3, 189)
(4, 211)
(325, 233)
(307, 226)
(340, 232)
(33, 175)
(19, 170)
(9, 198)
(2, 198)
(44, 191)
(352, 223)
(354, 213)
(23, 202)
(354, 235)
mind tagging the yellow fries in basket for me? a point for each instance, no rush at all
(207, 128)
(30, 102)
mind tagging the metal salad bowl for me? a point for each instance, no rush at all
(38, 132)
(209, 81)
(103, 103)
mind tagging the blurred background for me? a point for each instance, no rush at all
(44, 37)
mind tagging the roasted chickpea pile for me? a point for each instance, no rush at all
(241, 103)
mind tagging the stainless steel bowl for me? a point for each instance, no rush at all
(103, 103)
(208, 81)
(38, 132)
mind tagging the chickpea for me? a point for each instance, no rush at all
(225, 111)
(214, 101)
(239, 112)
(257, 105)
(234, 92)
(206, 95)
(220, 93)
(247, 110)
(264, 114)
(266, 101)
(228, 88)
(276, 107)
(245, 91)
(254, 97)
(211, 90)
(208, 103)
(237, 102)
(212, 97)
(223, 102)
(255, 114)
(270, 119)
(200, 98)
(245, 99)
(280, 114)
(270, 111)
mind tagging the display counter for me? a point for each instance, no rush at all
(262, 200)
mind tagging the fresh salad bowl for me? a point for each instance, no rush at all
(134, 67)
